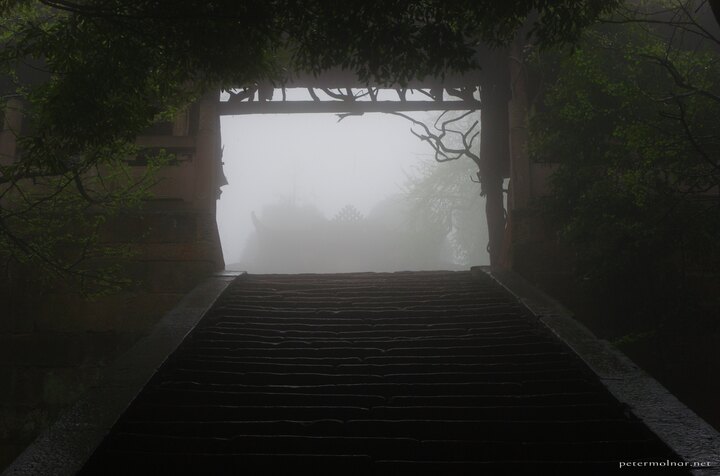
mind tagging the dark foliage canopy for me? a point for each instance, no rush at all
(629, 119)
(92, 74)
(113, 66)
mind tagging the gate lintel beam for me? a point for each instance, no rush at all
(351, 107)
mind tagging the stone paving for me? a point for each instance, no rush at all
(423, 373)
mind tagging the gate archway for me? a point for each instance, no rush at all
(196, 134)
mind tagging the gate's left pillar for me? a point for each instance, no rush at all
(179, 242)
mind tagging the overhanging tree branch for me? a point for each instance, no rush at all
(443, 134)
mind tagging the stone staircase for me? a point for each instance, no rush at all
(422, 373)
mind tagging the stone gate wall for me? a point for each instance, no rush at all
(54, 343)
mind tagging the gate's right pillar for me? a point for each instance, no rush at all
(530, 245)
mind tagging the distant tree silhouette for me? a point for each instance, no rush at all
(348, 214)
(291, 238)
(446, 195)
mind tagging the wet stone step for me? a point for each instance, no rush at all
(421, 291)
(260, 378)
(374, 331)
(366, 352)
(300, 352)
(554, 386)
(397, 318)
(509, 468)
(508, 349)
(425, 341)
(491, 367)
(499, 430)
(220, 355)
(374, 369)
(329, 302)
(376, 447)
(137, 462)
(461, 377)
(549, 359)
(336, 285)
(609, 451)
(372, 324)
(299, 378)
(364, 349)
(390, 316)
(466, 316)
(502, 400)
(278, 336)
(162, 395)
(361, 290)
(230, 429)
(297, 318)
(173, 412)
(517, 412)
(379, 389)
(515, 357)
(341, 303)
(478, 430)
(197, 395)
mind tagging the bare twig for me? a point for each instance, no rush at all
(678, 78)
(437, 141)
(339, 95)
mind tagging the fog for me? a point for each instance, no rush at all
(309, 193)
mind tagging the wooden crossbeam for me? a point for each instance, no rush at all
(231, 108)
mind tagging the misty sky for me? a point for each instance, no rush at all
(311, 159)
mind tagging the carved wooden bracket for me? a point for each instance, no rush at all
(259, 99)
